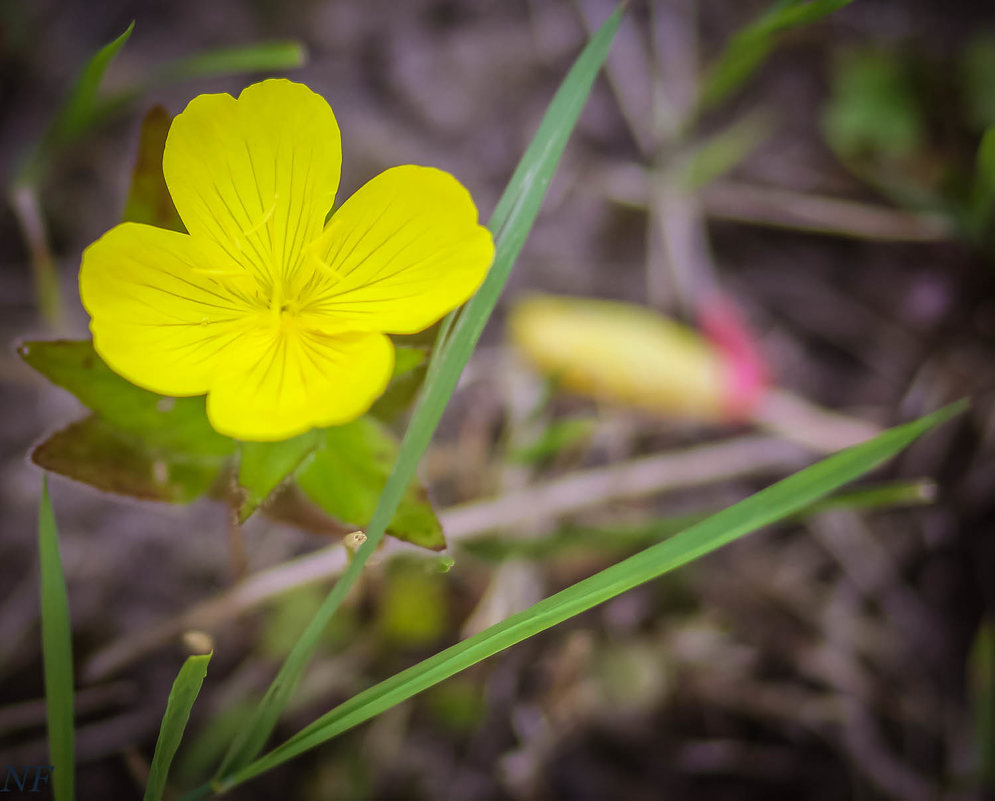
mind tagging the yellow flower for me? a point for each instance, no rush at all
(280, 318)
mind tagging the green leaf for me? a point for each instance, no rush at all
(148, 200)
(182, 695)
(263, 466)
(175, 424)
(510, 224)
(751, 46)
(409, 375)
(261, 57)
(770, 505)
(80, 106)
(57, 654)
(407, 358)
(347, 473)
(137, 443)
(410, 363)
(97, 453)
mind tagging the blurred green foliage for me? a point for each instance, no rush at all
(981, 689)
(903, 123)
(875, 109)
(148, 200)
(752, 44)
(977, 79)
(291, 612)
(458, 704)
(413, 607)
(559, 436)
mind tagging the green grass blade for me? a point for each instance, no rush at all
(765, 507)
(57, 653)
(184, 692)
(893, 495)
(80, 106)
(751, 46)
(261, 57)
(607, 539)
(72, 119)
(512, 220)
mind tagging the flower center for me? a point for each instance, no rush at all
(282, 309)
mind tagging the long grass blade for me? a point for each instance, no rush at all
(752, 45)
(510, 224)
(260, 57)
(80, 105)
(768, 506)
(57, 654)
(71, 120)
(184, 692)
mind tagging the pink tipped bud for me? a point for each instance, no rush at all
(625, 354)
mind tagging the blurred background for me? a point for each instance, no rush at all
(825, 184)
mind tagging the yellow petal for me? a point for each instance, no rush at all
(165, 307)
(622, 353)
(256, 175)
(285, 380)
(401, 253)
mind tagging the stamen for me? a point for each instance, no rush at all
(326, 270)
(265, 218)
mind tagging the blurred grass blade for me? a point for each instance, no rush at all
(265, 57)
(614, 537)
(79, 108)
(981, 688)
(723, 151)
(751, 46)
(260, 57)
(982, 203)
(57, 653)
(181, 699)
(897, 494)
(510, 224)
(26, 205)
(72, 119)
(775, 503)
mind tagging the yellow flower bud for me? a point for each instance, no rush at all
(625, 354)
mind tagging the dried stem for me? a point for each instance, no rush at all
(27, 209)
